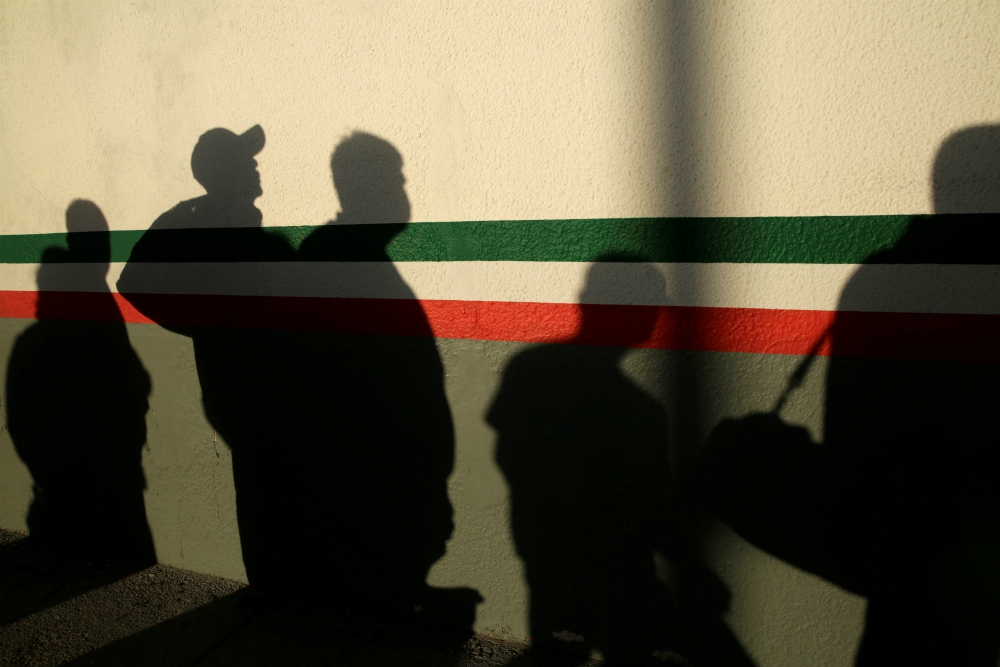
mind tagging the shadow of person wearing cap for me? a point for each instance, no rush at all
(177, 276)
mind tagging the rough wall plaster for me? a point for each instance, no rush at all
(504, 112)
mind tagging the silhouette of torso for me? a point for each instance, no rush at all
(239, 368)
(900, 502)
(77, 399)
(244, 372)
(584, 451)
(910, 457)
(375, 409)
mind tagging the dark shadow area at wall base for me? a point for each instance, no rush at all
(252, 630)
(58, 613)
(249, 631)
(183, 640)
(34, 578)
(55, 609)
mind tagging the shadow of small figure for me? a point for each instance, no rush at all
(374, 411)
(584, 451)
(77, 399)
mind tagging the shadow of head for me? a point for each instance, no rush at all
(83, 215)
(223, 162)
(622, 278)
(967, 172)
(88, 239)
(368, 177)
(84, 263)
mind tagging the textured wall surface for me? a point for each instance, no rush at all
(570, 110)
(511, 112)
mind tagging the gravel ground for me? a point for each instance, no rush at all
(58, 613)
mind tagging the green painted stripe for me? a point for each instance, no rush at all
(942, 239)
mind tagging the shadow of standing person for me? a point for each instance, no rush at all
(916, 440)
(77, 401)
(243, 370)
(585, 452)
(901, 502)
(375, 408)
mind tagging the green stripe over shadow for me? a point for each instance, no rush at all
(944, 239)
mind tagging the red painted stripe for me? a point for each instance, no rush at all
(18, 304)
(921, 336)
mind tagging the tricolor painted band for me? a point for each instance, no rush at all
(914, 336)
(944, 239)
(908, 288)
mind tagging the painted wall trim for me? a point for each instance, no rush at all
(914, 336)
(810, 240)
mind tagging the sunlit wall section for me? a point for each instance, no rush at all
(831, 109)
(505, 112)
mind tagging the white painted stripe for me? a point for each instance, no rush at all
(921, 288)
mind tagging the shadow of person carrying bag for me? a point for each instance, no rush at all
(818, 507)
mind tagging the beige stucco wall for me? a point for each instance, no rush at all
(510, 110)
(507, 111)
